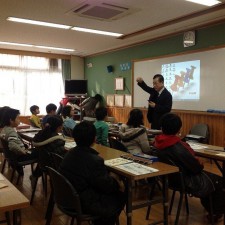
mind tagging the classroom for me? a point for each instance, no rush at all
(147, 36)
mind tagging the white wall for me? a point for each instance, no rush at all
(212, 79)
(77, 68)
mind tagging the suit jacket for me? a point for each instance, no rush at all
(163, 104)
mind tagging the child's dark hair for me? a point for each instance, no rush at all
(8, 115)
(3, 110)
(84, 134)
(100, 113)
(54, 122)
(33, 108)
(135, 118)
(66, 111)
(98, 97)
(170, 123)
(51, 107)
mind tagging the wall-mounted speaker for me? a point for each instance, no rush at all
(110, 69)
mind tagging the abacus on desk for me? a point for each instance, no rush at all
(137, 159)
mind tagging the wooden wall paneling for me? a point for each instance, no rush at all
(216, 122)
(25, 119)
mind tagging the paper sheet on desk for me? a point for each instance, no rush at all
(117, 161)
(70, 145)
(196, 146)
(221, 154)
(1, 177)
(29, 130)
(136, 168)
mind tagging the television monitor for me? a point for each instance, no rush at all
(75, 87)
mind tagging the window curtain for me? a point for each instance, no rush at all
(66, 69)
(27, 81)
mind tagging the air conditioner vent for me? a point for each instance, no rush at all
(81, 8)
(116, 6)
(101, 11)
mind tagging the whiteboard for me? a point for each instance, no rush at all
(206, 89)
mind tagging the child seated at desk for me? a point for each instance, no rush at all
(51, 111)
(98, 190)
(134, 135)
(102, 128)
(10, 120)
(198, 182)
(68, 121)
(34, 119)
(48, 139)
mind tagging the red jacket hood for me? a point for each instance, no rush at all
(163, 141)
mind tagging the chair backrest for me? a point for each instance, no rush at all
(114, 143)
(44, 159)
(67, 131)
(201, 129)
(175, 180)
(65, 195)
(9, 155)
(57, 159)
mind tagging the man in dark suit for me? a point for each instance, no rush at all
(160, 100)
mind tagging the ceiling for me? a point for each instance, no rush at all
(137, 20)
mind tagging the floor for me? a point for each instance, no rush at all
(34, 215)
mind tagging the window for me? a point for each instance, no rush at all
(28, 80)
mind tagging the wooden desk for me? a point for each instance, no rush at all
(211, 152)
(164, 170)
(28, 136)
(13, 200)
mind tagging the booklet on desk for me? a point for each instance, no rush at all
(130, 166)
(145, 156)
(136, 168)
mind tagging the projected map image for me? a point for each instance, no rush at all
(182, 79)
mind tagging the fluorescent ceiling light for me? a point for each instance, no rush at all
(54, 48)
(97, 31)
(37, 46)
(205, 2)
(34, 22)
(17, 44)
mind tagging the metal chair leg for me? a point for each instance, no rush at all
(12, 176)
(7, 216)
(211, 209)
(171, 202)
(150, 198)
(179, 208)
(51, 203)
(33, 191)
(186, 203)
